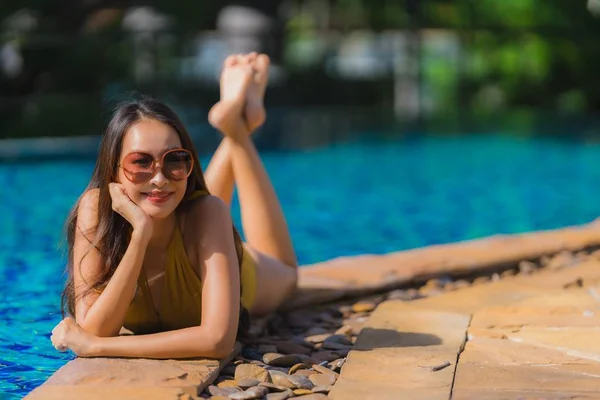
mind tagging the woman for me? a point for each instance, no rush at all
(150, 250)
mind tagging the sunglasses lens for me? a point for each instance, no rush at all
(138, 167)
(177, 165)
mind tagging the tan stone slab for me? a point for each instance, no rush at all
(552, 378)
(191, 376)
(471, 299)
(518, 316)
(61, 392)
(511, 290)
(384, 391)
(500, 368)
(397, 324)
(404, 367)
(575, 341)
(587, 273)
(487, 394)
(564, 298)
(457, 258)
(494, 351)
(345, 276)
(395, 351)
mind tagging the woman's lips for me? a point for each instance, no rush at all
(158, 198)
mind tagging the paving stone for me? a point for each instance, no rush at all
(487, 394)
(394, 353)
(61, 392)
(506, 352)
(563, 298)
(582, 342)
(192, 376)
(345, 389)
(559, 379)
(397, 324)
(541, 316)
(588, 272)
(333, 279)
(471, 299)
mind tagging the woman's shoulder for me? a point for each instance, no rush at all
(90, 197)
(206, 208)
(87, 209)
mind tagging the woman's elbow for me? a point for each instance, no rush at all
(223, 346)
(97, 330)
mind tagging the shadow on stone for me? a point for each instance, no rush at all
(372, 338)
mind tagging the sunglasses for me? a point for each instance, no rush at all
(175, 164)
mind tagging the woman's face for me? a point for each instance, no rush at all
(159, 196)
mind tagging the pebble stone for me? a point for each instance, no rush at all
(247, 383)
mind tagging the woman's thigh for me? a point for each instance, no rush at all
(275, 282)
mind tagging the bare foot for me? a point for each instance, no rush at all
(255, 109)
(226, 115)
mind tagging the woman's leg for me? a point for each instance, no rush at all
(219, 172)
(236, 160)
(263, 221)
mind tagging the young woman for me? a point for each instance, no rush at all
(152, 251)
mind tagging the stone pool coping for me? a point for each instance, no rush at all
(360, 275)
(326, 282)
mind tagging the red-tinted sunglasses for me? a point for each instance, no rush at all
(140, 167)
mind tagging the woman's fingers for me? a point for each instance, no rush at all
(58, 335)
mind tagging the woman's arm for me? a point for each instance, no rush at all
(103, 314)
(215, 337)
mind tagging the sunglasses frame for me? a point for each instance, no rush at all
(155, 165)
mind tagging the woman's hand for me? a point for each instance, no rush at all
(68, 335)
(122, 204)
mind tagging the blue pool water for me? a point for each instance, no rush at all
(362, 197)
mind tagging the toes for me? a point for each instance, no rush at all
(230, 61)
(240, 59)
(252, 56)
(262, 62)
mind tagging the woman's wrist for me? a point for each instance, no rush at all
(95, 347)
(141, 235)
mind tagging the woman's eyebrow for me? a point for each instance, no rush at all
(162, 152)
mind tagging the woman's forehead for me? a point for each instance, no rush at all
(150, 136)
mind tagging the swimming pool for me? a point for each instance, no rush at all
(362, 197)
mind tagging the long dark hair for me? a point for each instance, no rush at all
(111, 236)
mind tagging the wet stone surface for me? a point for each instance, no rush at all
(300, 354)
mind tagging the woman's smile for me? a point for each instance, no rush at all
(158, 197)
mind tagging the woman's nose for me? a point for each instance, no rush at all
(159, 180)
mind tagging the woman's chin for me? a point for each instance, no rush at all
(158, 212)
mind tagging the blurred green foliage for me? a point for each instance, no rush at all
(475, 58)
